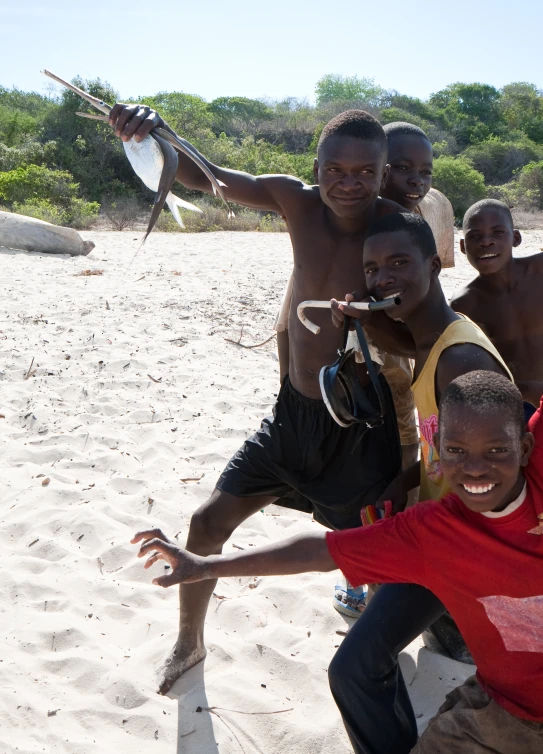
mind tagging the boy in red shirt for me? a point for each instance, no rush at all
(480, 550)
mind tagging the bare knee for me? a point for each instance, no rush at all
(214, 521)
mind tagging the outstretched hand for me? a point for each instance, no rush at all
(134, 121)
(340, 311)
(186, 567)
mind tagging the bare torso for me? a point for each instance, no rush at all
(327, 264)
(512, 317)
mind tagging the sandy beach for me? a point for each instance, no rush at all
(122, 399)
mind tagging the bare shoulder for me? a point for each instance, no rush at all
(467, 300)
(387, 207)
(463, 358)
(532, 264)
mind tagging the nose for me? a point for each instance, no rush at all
(415, 180)
(349, 183)
(475, 467)
(486, 241)
(383, 279)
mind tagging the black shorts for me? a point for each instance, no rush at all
(300, 451)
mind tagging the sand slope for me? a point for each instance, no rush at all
(92, 449)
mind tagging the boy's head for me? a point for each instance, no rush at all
(482, 440)
(351, 164)
(400, 259)
(410, 157)
(489, 236)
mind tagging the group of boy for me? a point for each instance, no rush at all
(351, 230)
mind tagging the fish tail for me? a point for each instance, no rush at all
(174, 202)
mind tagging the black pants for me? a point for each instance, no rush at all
(365, 678)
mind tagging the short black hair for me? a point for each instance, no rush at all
(407, 222)
(357, 123)
(484, 392)
(399, 128)
(490, 204)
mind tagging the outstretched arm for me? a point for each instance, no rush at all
(307, 552)
(267, 192)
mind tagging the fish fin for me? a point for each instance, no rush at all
(174, 201)
(231, 214)
(222, 184)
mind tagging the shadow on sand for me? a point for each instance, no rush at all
(195, 732)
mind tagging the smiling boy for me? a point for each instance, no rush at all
(300, 447)
(505, 298)
(494, 469)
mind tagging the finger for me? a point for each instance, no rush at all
(152, 120)
(169, 580)
(125, 116)
(115, 111)
(350, 311)
(337, 315)
(153, 559)
(149, 534)
(170, 552)
(135, 122)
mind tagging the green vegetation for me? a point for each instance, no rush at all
(62, 168)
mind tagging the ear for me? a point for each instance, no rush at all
(517, 238)
(316, 170)
(436, 442)
(435, 263)
(386, 173)
(527, 445)
(463, 246)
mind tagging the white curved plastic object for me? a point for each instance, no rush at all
(362, 305)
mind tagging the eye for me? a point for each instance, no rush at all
(400, 262)
(370, 270)
(333, 170)
(453, 449)
(427, 172)
(498, 232)
(498, 450)
(400, 167)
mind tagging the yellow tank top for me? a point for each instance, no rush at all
(432, 484)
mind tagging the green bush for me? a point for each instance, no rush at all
(37, 182)
(76, 214)
(499, 160)
(526, 190)
(459, 181)
(42, 209)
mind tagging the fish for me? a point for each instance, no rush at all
(154, 160)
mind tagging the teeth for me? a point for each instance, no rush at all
(488, 256)
(413, 196)
(392, 295)
(478, 490)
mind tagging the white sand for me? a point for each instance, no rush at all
(82, 627)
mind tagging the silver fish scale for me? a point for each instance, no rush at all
(147, 160)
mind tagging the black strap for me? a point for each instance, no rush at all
(367, 358)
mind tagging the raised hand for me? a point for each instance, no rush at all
(186, 567)
(134, 121)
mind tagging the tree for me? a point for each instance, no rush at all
(471, 111)
(522, 107)
(498, 160)
(334, 87)
(459, 181)
(234, 114)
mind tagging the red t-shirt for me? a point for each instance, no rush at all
(487, 571)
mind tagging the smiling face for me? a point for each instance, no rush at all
(489, 240)
(482, 456)
(394, 265)
(350, 173)
(410, 158)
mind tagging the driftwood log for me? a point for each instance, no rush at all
(30, 234)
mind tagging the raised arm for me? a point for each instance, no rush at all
(269, 192)
(306, 552)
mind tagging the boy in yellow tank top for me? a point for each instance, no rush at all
(400, 259)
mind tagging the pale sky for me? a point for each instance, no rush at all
(273, 49)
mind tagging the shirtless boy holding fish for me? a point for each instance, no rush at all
(300, 447)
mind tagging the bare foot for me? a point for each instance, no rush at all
(177, 662)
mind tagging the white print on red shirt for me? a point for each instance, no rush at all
(518, 620)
